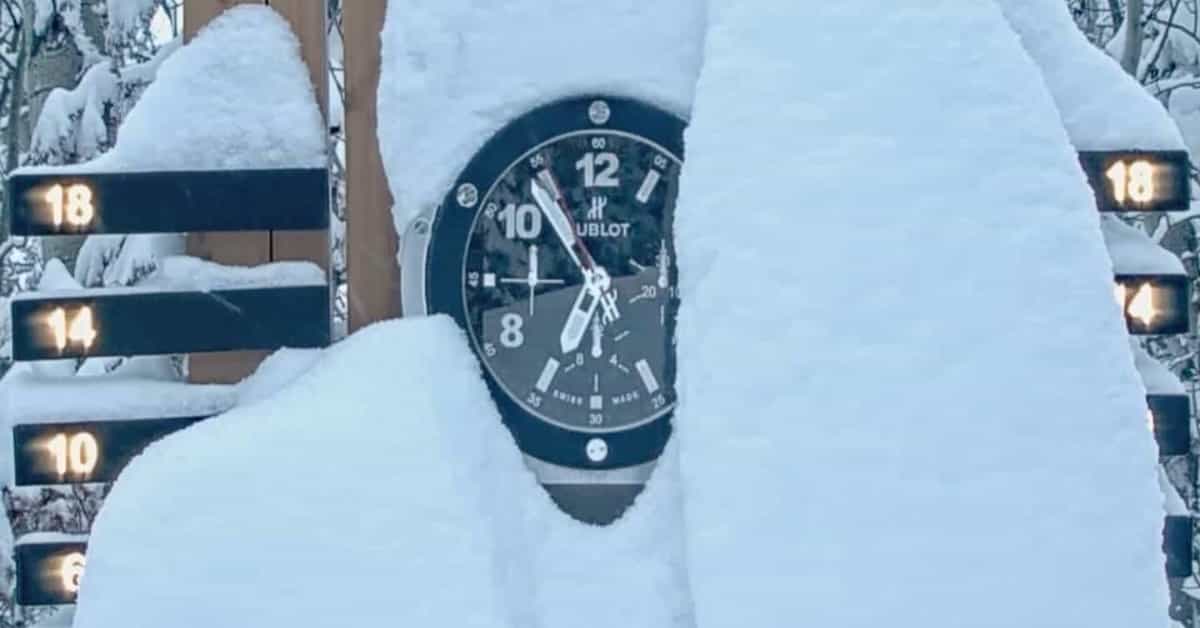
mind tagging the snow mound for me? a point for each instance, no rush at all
(351, 498)
(926, 412)
(372, 484)
(1156, 377)
(453, 74)
(1134, 253)
(236, 97)
(1102, 107)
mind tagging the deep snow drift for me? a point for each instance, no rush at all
(360, 507)
(375, 487)
(928, 414)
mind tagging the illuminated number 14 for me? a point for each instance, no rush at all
(80, 330)
(1132, 181)
(77, 453)
(72, 205)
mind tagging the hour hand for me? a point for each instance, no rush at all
(594, 286)
(577, 321)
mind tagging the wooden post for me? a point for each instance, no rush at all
(371, 240)
(307, 18)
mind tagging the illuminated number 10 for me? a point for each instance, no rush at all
(72, 204)
(77, 453)
(71, 571)
(1134, 182)
(80, 330)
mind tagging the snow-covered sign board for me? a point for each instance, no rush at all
(94, 451)
(49, 568)
(1177, 544)
(168, 202)
(1154, 304)
(1171, 417)
(125, 322)
(1148, 181)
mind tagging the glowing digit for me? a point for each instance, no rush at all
(78, 453)
(58, 326)
(1133, 182)
(81, 330)
(72, 205)
(1141, 182)
(54, 196)
(85, 453)
(71, 571)
(58, 451)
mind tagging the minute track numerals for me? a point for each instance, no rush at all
(569, 280)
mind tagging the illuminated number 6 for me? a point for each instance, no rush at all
(71, 571)
(72, 205)
(1133, 182)
(78, 453)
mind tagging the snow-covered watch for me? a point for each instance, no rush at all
(553, 251)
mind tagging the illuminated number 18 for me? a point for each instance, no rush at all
(77, 453)
(80, 330)
(1132, 181)
(71, 204)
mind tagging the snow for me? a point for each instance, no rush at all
(398, 465)
(41, 538)
(1173, 503)
(180, 273)
(125, 15)
(120, 260)
(389, 440)
(1156, 377)
(1134, 253)
(454, 73)
(1102, 107)
(28, 398)
(247, 97)
(275, 373)
(928, 409)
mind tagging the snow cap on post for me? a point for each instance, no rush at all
(237, 96)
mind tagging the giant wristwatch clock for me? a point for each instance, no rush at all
(553, 251)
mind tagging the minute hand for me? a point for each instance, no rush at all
(558, 220)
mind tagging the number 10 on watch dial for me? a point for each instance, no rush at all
(559, 235)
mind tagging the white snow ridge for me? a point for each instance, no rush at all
(928, 415)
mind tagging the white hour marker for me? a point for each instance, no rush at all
(643, 369)
(547, 376)
(648, 185)
(596, 402)
(489, 280)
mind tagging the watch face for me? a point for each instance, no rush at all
(565, 277)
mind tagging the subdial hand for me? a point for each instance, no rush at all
(590, 296)
(597, 336)
(664, 264)
(531, 278)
